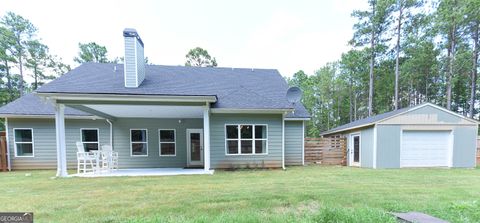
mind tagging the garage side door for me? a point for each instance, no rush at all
(425, 148)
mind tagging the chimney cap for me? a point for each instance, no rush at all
(131, 32)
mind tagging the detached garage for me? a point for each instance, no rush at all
(422, 136)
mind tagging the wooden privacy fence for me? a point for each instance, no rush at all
(327, 150)
(3, 152)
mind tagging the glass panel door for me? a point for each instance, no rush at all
(195, 147)
(356, 149)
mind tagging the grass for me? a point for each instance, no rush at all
(299, 194)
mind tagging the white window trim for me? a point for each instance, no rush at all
(146, 143)
(98, 137)
(174, 142)
(239, 141)
(15, 142)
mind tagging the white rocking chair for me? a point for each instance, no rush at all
(85, 160)
(109, 158)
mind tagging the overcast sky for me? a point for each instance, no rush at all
(286, 35)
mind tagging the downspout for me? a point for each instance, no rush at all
(9, 165)
(283, 141)
(111, 132)
(303, 143)
(374, 165)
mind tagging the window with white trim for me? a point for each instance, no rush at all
(167, 142)
(89, 139)
(246, 139)
(138, 142)
(23, 141)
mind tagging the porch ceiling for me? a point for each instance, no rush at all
(149, 111)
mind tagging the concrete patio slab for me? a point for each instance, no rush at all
(145, 172)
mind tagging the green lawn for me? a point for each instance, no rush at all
(306, 194)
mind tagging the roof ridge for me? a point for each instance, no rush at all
(195, 67)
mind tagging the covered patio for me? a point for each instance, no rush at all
(146, 172)
(138, 126)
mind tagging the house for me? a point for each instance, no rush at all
(158, 116)
(425, 135)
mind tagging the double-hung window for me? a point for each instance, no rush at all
(167, 142)
(246, 139)
(23, 141)
(89, 139)
(138, 142)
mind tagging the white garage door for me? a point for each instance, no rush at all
(425, 148)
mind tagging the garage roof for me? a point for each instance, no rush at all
(384, 116)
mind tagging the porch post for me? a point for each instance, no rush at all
(60, 136)
(206, 137)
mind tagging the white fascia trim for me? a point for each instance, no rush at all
(50, 116)
(343, 130)
(249, 111)
(297, 119)
(126, 97)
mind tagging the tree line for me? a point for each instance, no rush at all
(403, 53)
(26, 63)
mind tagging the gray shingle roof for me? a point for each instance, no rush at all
(366, 121)
(235, 88)
(31, 104)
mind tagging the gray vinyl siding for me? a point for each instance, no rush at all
(219, 159)
(293, 142)
(388, 146)
(366, 148)
(44, 138)
(464, 146)
(121, 138)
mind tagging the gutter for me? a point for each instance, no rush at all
(297, 119)
(346, 129)
(128, 97)
(252, 111)
(49, 116)
(283, 141)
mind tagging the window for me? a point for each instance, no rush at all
(23, 142)
(246, 139)
(138, 142)
(89, 139)
(167, 142)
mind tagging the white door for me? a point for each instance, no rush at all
(354, 150)
(195, 147)
(425, 148)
